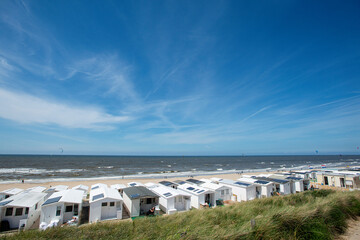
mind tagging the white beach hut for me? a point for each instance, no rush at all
(263, 188)
(222, 192)
(296, 184)
(61, 207)
(282, 186)
(21, 210)
(36, 189)
(171, 200)
(56, 188)
(139, 200)
(169, 184)
(242, 191)
(119, 187)
(105, 204)
(83, 188)
(199, 195)
(10, 192)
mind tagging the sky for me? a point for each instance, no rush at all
(179, 77)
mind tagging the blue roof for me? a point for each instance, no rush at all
(167, 183)
(168, 194)
(96, 197)
(194, 181)
(190, 188)
(52, 200)
(261, 182)
(94, 187)
(294, 178)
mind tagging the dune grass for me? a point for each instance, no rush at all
(320, 214)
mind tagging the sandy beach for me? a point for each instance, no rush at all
(88, 183)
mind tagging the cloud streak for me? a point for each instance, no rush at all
(27, 109)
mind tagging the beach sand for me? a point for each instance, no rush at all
(88, 183)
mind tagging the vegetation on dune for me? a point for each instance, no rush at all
(318, 214)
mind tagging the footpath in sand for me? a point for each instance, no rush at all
(353, 231)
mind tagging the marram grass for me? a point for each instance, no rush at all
(320, 214)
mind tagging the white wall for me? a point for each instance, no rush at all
(48, 213)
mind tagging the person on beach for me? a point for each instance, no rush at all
(151, 212)
(22, 181)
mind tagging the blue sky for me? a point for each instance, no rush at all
(179, 77)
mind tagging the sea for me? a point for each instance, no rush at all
(45, 168)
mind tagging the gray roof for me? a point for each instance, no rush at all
(139, 192)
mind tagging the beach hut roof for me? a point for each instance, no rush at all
(195, 190)
(194, 181)
(214, 186)
(255, 181)
(275, 180)
(24, 199)
(236, 183)
(68, 196)
(118, 186)
(168, 183)
(294, 178)
(98, 185)
(38, 189)
(12, 191)
(165, 192)
(57, 188)
(81, 187)
(139, 192)
(104, 192)
(134, 184)
(179, 182)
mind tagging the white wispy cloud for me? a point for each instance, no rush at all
(27, 109)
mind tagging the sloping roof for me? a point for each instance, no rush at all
(36, 189)
(98, 185)
(118, 186)
(255, 181)
(194, 181)
(194, 189)
(179, 182)
(81, 187)
(236, 183)
(166, 192)
(139, 192)
(25, 199)
(214, 186)
(12, 191)
(275, 180)
(104, 192)
(57, 188)
(68, 196)
(168, 183)
(134, 184)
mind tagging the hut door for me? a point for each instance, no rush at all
(326, 181)
(342, 182)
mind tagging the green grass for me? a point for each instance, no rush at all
(318, 214)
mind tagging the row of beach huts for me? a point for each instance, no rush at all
(42, 208)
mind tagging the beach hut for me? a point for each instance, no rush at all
(61, 207)
(139, 200)
(171, 200)
(222, 192)
(263, 188)
(194, 181)
(10, 192)
(36, 189)
(54, 189)
(199, 196)
(83, 188)
(169, 184)
(105, 203)
(119, 187)
(296, 184)
(242, 191)
(135, 184)
(338, 179)
(282, 186)
(21, 210)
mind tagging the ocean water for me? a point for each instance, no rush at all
(41, 168)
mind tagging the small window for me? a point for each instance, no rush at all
(118, 205)
(227, 191)
(222, 192)
(104, 204)
(112, 204)
(9, 212)
(18, 211)
(180, 199)
(58, 210)
(76, 209)
(7, 196)
(26, 211)
(149, 201)
(36, 205)
(69, 208)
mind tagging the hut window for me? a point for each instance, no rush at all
(149, 201)
(118, 206)
(227, 191)
(26, 211)
(222, 192)
(180, 198)
(104, 204)
(112, 204)
(58, 210)
(9, 212)
(18, 211)
(69, 208)
(76, 209)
